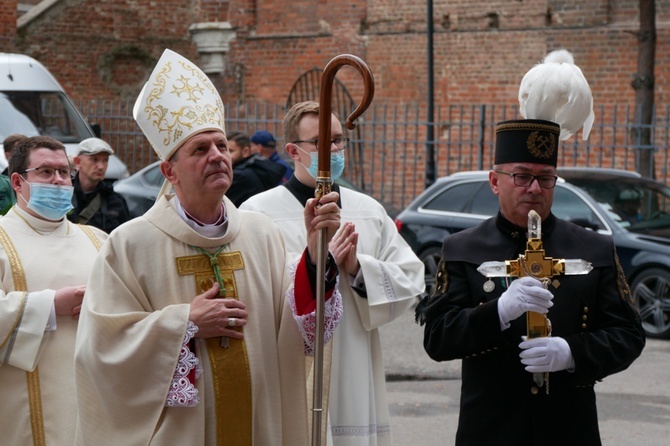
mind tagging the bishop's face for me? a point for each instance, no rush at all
(516, 201)
(201, 167)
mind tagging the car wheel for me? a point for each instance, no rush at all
(651, 291)
(430, 258)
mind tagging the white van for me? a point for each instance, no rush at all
(32, 103)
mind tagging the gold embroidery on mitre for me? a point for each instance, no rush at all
(176, 123)
(541, 146)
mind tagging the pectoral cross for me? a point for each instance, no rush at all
(207, 269)
(535, 263)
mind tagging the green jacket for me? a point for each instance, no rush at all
(7, 197)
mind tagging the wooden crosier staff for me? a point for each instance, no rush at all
(323, 187)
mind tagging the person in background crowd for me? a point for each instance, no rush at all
(264, 143)
(7, 197)
(95, 202)
(252, 173)
(8, 145)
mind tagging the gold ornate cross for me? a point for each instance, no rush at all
(535, 263)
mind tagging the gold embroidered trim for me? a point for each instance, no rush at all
(541, 146)
(96, 241)
(17, 269)
(231, 376)
(622, 284)
(32, 378)
(36, 412)
(175, 123)
(527, 126)
(18, 275)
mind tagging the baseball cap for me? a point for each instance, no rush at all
(263, 138)
(92, 146)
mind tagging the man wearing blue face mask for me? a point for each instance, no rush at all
(44, 264)
(379, 279)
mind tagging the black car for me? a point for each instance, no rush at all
(635, 211)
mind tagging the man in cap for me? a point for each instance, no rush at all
(264, 143)
(194, 329)
(45, 261)
(380, 279)
(520, 391)
(95, 202)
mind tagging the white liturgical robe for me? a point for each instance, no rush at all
(392, 276)
(37, 350)
(135, 317)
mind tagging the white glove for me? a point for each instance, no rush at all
(546, 355)
(524, 294)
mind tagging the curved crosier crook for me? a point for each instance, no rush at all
(323, 186)
(325, 104)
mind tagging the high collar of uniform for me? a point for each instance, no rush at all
(515, 232)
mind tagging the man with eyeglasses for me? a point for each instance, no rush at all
(595, 327)
(380, 278)
(45, 261)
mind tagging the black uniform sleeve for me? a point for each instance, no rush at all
(613, 336)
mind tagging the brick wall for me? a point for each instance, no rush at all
(8, 14)
(105, 48)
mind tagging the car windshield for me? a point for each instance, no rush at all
(41, 113)
(636, 204)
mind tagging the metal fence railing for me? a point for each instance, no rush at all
(388, 156)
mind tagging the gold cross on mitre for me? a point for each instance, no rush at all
(535, 263)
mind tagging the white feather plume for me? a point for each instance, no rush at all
(556, 90)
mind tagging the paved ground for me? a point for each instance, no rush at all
(634, 405)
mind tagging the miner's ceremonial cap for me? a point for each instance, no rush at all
(527, 141)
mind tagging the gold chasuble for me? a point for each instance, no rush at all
(228, 358)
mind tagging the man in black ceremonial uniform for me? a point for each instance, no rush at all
(595, 327)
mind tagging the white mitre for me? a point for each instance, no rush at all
(177, 102)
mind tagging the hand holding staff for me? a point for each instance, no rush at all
(323, 187)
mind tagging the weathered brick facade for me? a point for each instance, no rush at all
(104, 48)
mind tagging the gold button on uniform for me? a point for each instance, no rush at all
(534, 390)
